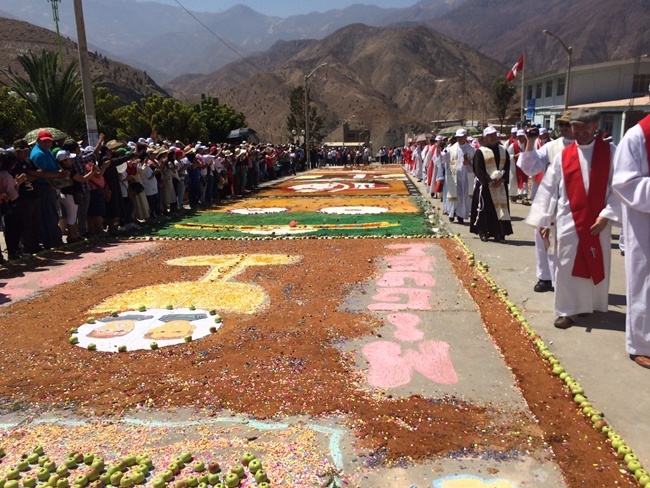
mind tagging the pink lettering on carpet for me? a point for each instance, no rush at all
(407, 326)
(398, 278)
(394, 298)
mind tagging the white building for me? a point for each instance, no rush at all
(619, 90)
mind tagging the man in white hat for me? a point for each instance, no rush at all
(535, 162)
(631, 184)
(490, 214)
(456, 169)
(576, 193)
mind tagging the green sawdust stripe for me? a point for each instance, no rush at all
(211, 224)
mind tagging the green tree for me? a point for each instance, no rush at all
(502, 93)
(54, 97)
(171, 118)
(16, 118)
(296, 117)
(219, 119)
(106, 106)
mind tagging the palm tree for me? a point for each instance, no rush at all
(55, 97)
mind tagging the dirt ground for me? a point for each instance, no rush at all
(283, 361)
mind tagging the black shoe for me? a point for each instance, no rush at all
(484, 237)
(563, 322)
(451, 219)
(543, 286)
(460, 221)
(500, 239)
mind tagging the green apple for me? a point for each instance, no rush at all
(192, 307)
(180, 484)
(42, 460)
(89, 458)
(218, 319)
(91, 347)
(142, 308)
(81, 480)
(53, 480)
(640, 472)
(174, 468)
(50, 466)
(12, 474)
(213, 312)
(147, 461)
(116, 478)
(192, 481)
(92, 474)
(126, 482)
(74, 330)
(623, 450)
(129, 460)
(263, 484)
(199, 466)
(29, 482)
(187, 457)
(167, 475)
(632, 466)
(32, 458)
(11, 484)
(79, 457)
(98, 464)
(169, 306)
(239, 470)
(91, 320)
(138, 477)
(71, 463)
(121, 348)
(187, 338)
(96, 484)
(179, 460)
(42, 474)
(158, 483)
(260, 476)
(213, 479)
(106, 478)
(219, 485)
(23, 465)
(232, 480)
(203, 478)
(143, 468)
(643, 480)
(114, 313)
(254, 465)
(214, 467)
(202, 485)
(62, 470)
(247, 457)
(38, 450)
(62, 483)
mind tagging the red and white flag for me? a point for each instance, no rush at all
(519, 66)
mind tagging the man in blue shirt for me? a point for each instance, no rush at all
(42, 157)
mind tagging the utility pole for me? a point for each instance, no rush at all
(86, 81)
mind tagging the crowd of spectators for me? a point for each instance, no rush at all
(54, 192)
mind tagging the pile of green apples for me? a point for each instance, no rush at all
(211, 474)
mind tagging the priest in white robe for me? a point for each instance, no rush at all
(631, 184)
(456, 169)
(576, 193)
(534, 162)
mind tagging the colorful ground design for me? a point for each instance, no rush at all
(361, 363)
(315, 207)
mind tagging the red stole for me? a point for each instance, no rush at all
(585, 208)
(645, 127)
(522, 178)
(539, 176)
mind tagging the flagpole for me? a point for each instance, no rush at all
(523, 75)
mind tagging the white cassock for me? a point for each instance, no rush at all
(574, 295)
(457, 193)
(533, 163)
(427, 157)
(632, 185)
(419, 162)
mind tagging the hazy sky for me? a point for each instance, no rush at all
(283, 8)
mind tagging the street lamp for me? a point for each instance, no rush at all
(569, 51)
(307, 112)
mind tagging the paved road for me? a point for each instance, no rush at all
(593, 351)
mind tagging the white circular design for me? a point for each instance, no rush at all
(350, 210)
(137, 330)
(258, 210)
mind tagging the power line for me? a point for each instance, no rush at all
(217, 36)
